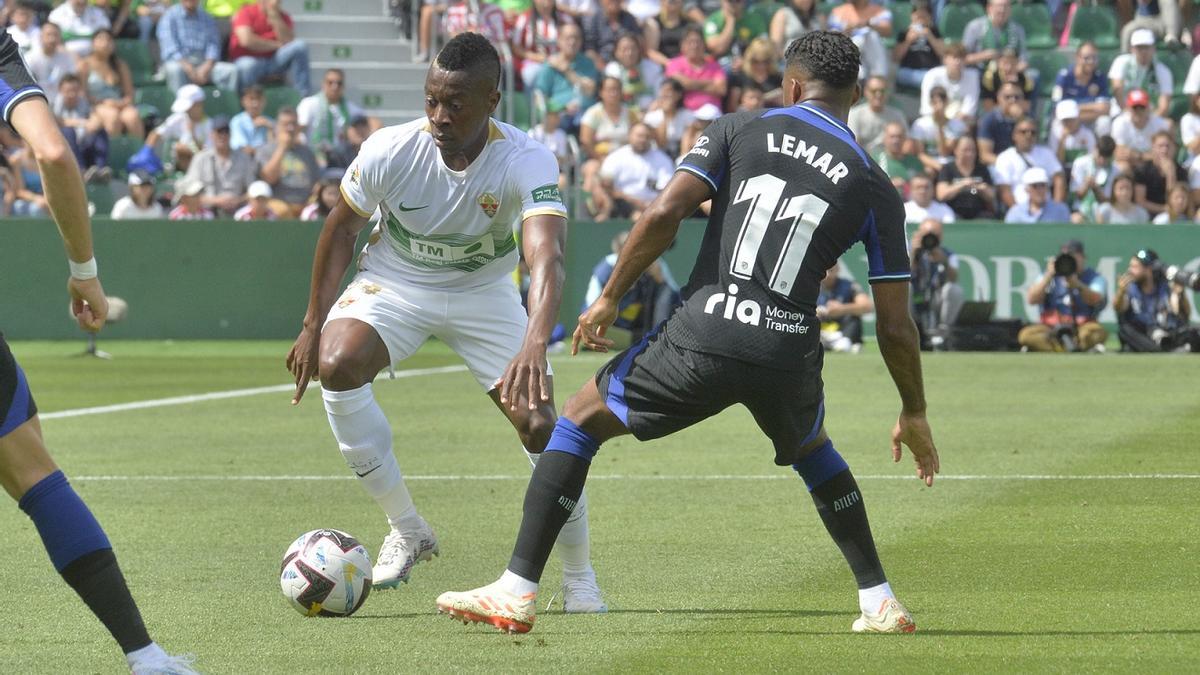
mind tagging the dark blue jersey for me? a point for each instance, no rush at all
(792, 191)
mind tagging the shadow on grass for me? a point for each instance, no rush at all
(718, 614)
(1057, 633)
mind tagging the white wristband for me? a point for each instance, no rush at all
(84, 270)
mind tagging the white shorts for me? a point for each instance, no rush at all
(485, 326)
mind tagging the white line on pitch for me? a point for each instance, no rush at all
(217, 396)
(650, 477)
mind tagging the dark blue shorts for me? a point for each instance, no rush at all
(16, 401)
(16, 83)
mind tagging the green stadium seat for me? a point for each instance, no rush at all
(221, 102)
(1181, 104)
(955, 17)
(521, 109)
(1097, 23)
(137, 56)
(154, 98)
(120, 149)
(279, 97)
(101, 196)
(1178, 61)
(901, 18)
(1048, 62)
(1035, 19)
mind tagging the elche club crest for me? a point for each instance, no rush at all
(489, 203)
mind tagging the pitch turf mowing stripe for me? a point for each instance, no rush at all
(657, 477)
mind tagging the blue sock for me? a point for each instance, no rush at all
(68, 529)
(821, 465)
(569, 438)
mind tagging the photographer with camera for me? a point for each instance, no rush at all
(1152, 307)
(1070, 295)
(841, 304)
(937, 297)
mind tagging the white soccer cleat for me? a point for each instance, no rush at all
(581, 595)
(399, 552)
(891, 618)
(165, 664)
(508, 612)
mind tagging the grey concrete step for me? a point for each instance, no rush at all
(359, 50)
(388, 96)
(341, 7)
(375, 73)
(392, 117)
(311, 27)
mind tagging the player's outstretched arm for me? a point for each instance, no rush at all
(543, 240)
(650, 236)
(335, 249)
(900, 345)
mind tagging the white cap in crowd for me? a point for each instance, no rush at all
(1067, 109)
(708, 112)
(1035, 176)
(1142, 37)
(187, 96)
(259, 188)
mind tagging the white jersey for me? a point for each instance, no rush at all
(443, 228)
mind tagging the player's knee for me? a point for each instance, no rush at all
(340, 371)
(535, 431)
(51, 149)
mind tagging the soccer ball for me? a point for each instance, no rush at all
(326, 573)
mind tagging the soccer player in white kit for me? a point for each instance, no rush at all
(449, 189)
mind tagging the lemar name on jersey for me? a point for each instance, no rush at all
(796, 148)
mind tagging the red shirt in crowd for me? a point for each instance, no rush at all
(256, 18)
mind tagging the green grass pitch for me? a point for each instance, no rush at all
(1026, 555)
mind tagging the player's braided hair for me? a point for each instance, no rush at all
(827, 56)
(468, 51)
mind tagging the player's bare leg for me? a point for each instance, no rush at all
(509, 603)
(581, 593)
(351, 355)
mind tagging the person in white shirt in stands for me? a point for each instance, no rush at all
(922, 206)
(550, 135)
(259, 207)
(22, 28)
(632, 176)
(187, 196)
(1025, 154)
(78, 21)
(140, 203)
(1134, 129)
(1069, 138)
(1038, 208)
(1142, 70)
(325, 115)
(48, 61)
(960, 83)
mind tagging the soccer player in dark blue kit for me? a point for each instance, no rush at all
(77, 545)
(792, 191)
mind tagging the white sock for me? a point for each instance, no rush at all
(517, 585)
(869, 599)
(574, 543)
(365, 439)
(151, 652)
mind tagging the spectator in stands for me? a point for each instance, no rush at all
(631, 176)
(535, 38)
(79, 21)
(759, 71)
(653, 296)
(186, 130)
(149, 13)
(23, 28)
(643, 10)
(1134, 129)
(1142, 70)
(325, 115)
(1122, 210)
(324, 197)
(1189, 127)
(1153, 314)
(190, 48)
(1179, 206)
(1084, 84)
(793, 19)
(1024, 154)
(987, 36)
(604, 128)
(263, 44)
(1157, 175)
(568, 78)
(577, 9)
(895, 158)
(288, 165)
(1191, 83)
(703, 117)
(960, 83)
(965, 184)
(920, 49)
(1070, 306)
(857, 15)
(8, 188)
(868, 120)
(343, 154)
(1038, 206)
(601, 30)
(936, 295)
(727, 40)
(29, 198)
(921, 205)
(49, 61)
(251, 129)
(555, 139)
(1004, 69)
(187, 201)
(83, 129)
(1069, 138)
(483, 17)
(110, 87)
(639, 76)
(702, 77)
(117, 12)
(664, 33)
(937, 131)
(841, 305)
(1092, 177)
(996, 127)
(140, 203)
(668, 118)
(1158, 17)
(225, 173)
(259, 206)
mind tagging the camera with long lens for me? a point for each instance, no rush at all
(1065, 265)
(930, 241)
(1178, 275)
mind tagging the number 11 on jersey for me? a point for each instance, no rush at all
(804, 212)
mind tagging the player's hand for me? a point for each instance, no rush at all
(303, 360)
(526, 375)
(912, 429)
(88, 303)
(593, 324)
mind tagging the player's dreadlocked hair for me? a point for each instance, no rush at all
(827, 56)
(468, 51)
